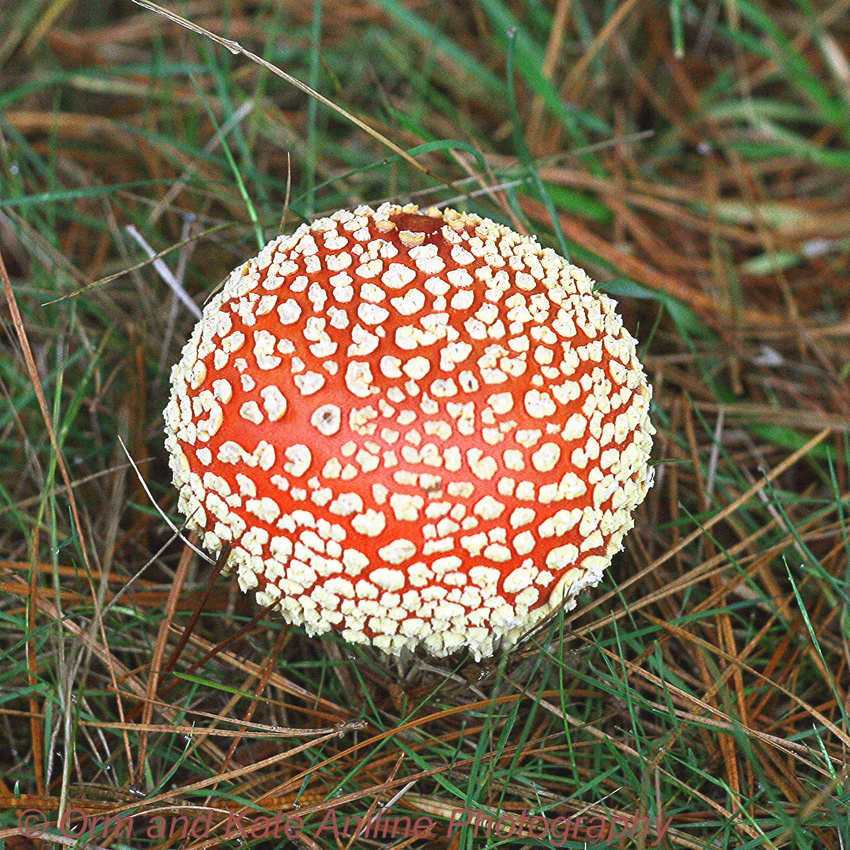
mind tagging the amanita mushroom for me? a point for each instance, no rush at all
(413, 428)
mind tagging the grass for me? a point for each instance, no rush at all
(694, 157)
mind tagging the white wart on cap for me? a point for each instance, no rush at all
(413, 428)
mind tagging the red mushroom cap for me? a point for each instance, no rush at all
(414, 428)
